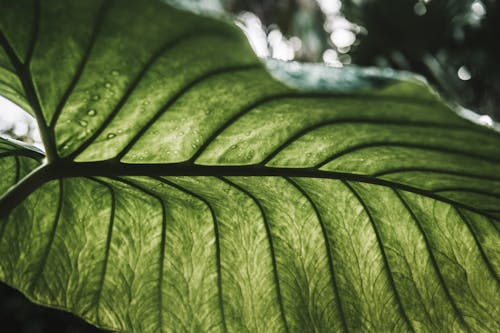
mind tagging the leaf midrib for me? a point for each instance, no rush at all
(23, 72)
(60, 169)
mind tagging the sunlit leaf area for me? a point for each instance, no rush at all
(249, 166)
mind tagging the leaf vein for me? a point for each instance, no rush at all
(434, 264)
(180, 93)
(107, 246)
(162, 242)
(465, 219)
(168, 46)
(271, 247)
(435, 170)
(382, 252)
(45, 255)
(83, 62)
(444, 150)
(217, 243)
(328, 251)
(380, 122)
(468, 190)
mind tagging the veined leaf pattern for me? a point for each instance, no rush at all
(186, 190)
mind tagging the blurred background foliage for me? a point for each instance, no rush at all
(455, 44)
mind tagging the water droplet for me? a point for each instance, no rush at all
(83, 123)
(68, 121)
(145, 102)
(234, 146)
(120, 131)
(110, 135)
(308, 155)
(115, 72)
(194, 145)
(91, 112)
(107, 85)
(95, 97)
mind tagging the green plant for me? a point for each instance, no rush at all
(185, 189)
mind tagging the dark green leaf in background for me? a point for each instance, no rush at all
(185, 189)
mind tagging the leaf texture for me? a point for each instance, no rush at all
(17, 161)
(187, 190)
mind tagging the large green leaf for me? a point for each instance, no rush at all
(185, 189)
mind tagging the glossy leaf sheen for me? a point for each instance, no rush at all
(187, 190)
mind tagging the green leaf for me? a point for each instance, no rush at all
(186, 189)
(17, 161)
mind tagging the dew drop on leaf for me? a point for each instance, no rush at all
(114, 72)
(83, 123)
(91, 112)
(107, 85)
(95, 97)
(110, 136)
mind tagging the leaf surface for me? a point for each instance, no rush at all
(186, 189)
